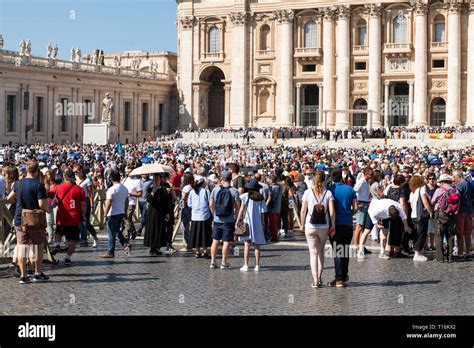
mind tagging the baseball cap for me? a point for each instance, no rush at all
(226, 175)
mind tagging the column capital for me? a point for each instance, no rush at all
(454, 7)
(239, 18)
(320, 85)
(374, 10)
(298, 85)
(284, 16)
(470, 8)
(411, 82)
(328, 13)
(343, 12)
(387, 83)
(187, 22)
(420, 7)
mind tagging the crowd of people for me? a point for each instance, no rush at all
(413, 201)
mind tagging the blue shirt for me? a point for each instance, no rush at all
(343, 196)
(199, 204)
(31, 190)
(465, 203)
(235, 196)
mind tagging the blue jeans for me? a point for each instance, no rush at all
(88, 226)
(186, 220)
(114, 228)
(143, 211)
(341, 240)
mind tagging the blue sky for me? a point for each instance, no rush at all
(110, 25)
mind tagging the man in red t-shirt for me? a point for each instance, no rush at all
(175, 181)
(71, 202)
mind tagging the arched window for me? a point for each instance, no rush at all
(265, 37)
(438, 112)
(439, 29)
(310, 38)
(360, 119)
(362, 33)
(264, 98)
(213, 40)
(400, 29)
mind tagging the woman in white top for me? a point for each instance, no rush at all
(318, 223)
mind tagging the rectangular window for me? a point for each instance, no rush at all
(361, 66)
(160, 117)
(39, 119)
(64, 117)
(126, 118)
(439, 32)
(309, 68)
(144, 117)
(11, 113)
(438, 63)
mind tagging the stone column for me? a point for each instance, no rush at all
(386, 104)
(410, 104)
(238, 95)
(298, 104)
(375, 62)
(453, 107)
(470, 69)
(343, 67)
(285, 87)
(329, 63)
(186, 25)
(320, 103)
(227, 90)
(421, 66)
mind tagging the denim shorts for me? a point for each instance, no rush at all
(223, 231)
(361, 214)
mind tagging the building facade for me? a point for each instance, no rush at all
(316, 63)
(44, 99)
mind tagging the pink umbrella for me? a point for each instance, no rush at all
(152, 168)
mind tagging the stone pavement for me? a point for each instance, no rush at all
(182, 285)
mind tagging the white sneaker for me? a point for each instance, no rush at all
(95, 244)
(419, 257)
(360, 255)
(244, 268)
(257, 268)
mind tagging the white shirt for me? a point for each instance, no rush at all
(85, 186)
(133, 186)
(378, 209)
(414, 197)
(309, 197)
(3, 187)
(118, 193)
(362, 190)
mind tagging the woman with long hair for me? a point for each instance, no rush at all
(157, 217)
(252, 212)
(188, 182)
(420, 213)
(287, 205)
(201, 218)
(319, 219)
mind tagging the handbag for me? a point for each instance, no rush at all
(242, 228)
(31, 219)
(318, 217)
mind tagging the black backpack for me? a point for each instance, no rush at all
(224, 202)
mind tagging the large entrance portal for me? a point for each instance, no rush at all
(309, 105)
(399, 105)
(438, 112)
(214, 101)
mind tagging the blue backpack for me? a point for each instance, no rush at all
(224, 202)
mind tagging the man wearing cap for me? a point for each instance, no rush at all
(224, 219)
(444, 225)
(71, 201)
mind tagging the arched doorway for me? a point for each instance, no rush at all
(399, 104)
(438, 112)
(360, 119)
(215, 98)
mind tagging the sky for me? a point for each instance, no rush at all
(110, 25)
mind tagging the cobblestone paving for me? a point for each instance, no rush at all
(182, 285)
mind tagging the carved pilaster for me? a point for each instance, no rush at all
(420, 7)
(343, 12)
(239, 18)
(329, 13)
(187, 22)
(374, 10)
(455, 7)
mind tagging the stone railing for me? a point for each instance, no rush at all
(212, 56)
(308, 51)
(10, 57)
(439, 46)
(360, 49)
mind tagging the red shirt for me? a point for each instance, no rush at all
(69, 196)
(175, 181)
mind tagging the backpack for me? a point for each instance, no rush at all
(224, 202)
(449, 202)
(394, 194)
